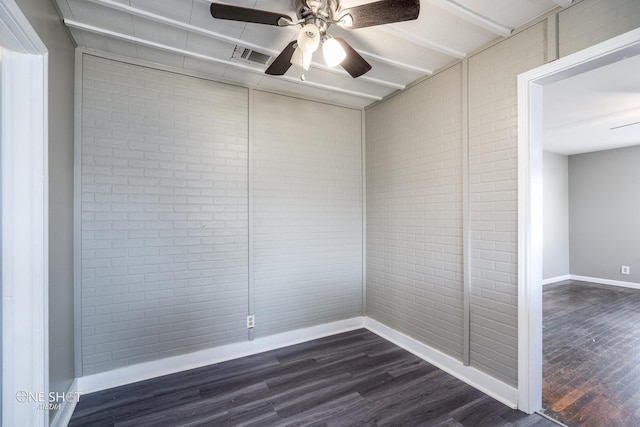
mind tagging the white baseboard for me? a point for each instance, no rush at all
(475, 378)
(600, 281)
(143, 371)
(171, 365)
(63, 416)
(556, 279)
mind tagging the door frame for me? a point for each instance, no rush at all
(530, 148)
(24, 219)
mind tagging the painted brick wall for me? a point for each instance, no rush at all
(164, 214)
(164, 219)
(591, 22)
(307, 213)
(414, 212)
(398, 125)
(493, 198)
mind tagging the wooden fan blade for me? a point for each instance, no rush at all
(281, 64)
(353, 64)
(382, 12)
(245, 14)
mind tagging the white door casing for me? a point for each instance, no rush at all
(23, 141)
(530, 148)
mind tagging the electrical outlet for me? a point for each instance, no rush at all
(624, 269)
(251, 321)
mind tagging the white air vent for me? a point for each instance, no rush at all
(246, 54)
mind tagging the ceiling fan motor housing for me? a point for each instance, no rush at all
(321, 13)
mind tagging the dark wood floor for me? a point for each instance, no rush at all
(355, 378)
(591, 352)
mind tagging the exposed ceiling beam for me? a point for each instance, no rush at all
(474, 17)
(143, 42)
(111, 4)
(563, 3)
(397, 64)
(231, 40)
(437, 47)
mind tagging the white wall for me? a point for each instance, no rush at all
(555, 259)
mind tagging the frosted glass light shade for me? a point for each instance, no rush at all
(301, 58)
(333, 52)
(309, 38)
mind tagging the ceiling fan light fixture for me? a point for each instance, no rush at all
(301, 58)
(309, 38)
(346, 21)
(333, 52)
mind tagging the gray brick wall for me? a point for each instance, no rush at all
(414, 212)
(493, 198)
(401, 248)
(594, 21)
(307, 213)
(164, 214)
(165, 206)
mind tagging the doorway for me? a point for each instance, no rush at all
(530, 211)
(591, 338)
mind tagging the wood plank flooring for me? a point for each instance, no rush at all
(350, 379)
(591, 367)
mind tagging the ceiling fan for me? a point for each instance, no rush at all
(315, 17)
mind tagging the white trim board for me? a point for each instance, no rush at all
(68, 405)
(24, 218)
(492, 387)
(600, 281)
(172, 365)
(556, 279)
(77, 214)
(597, 280)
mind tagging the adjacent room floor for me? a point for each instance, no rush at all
(355, 378)
(591, 368)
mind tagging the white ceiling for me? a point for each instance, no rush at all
(593, 111)
(182, 34)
